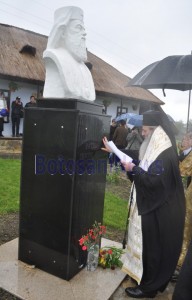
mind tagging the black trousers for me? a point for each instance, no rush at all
(15, 124)
(1, 126)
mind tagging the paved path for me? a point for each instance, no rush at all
(121, 295)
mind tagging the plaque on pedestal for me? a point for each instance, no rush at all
(62, 182)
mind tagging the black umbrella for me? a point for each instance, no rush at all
(172, 72)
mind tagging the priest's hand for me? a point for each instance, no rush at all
(107, 148)
(128, 166)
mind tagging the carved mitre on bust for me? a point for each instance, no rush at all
(67, 76)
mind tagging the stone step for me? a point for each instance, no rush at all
(29, 283)
(10, 147)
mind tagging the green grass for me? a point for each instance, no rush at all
(9, 185)
(115, 208)
(115, 211)
(113, 177)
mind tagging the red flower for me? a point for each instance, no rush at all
(93, 236)
(81, 241)
(84, 248)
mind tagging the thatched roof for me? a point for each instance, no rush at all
(21, 65)
(110, 80)
(21, 58)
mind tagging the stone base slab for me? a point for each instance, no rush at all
(29, 283)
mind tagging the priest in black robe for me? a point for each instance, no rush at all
(161, 205)
(157, 211)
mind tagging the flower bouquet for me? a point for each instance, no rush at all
(90, 242)
(109, 257)
(93, 236)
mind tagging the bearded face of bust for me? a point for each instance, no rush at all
(74, 40)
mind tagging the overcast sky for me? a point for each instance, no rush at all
(128, 34)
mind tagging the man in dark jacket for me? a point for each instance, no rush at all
(113, 126)
(119, 137)
(16, 114)
(32, 102)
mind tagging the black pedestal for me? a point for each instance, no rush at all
(62, 182)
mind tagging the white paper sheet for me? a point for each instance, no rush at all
(122, 156)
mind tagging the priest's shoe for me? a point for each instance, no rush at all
(136, 292)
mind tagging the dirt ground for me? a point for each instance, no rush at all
(9, 227)
(9, 224)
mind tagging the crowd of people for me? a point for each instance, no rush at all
(17, 113)
(160, 212)
(126, 138)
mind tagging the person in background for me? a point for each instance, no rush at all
(185, 167)
(113, 126)
(183, 273)
(1, 125)
(183, 288)
(32, 102)
(119, 137)
(134, 139)
(16, 113)
(157, 209)
(3, 112)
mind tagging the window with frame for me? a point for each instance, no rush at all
(121, 110)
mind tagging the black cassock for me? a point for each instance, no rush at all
(161, 204)
(183, 289)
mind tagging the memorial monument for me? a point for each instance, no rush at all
(67, 76)
(63, 169)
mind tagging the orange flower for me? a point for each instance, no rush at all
(110, 257)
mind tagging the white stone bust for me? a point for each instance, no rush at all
(67, 76)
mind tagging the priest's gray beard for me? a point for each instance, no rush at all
(144, 146)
